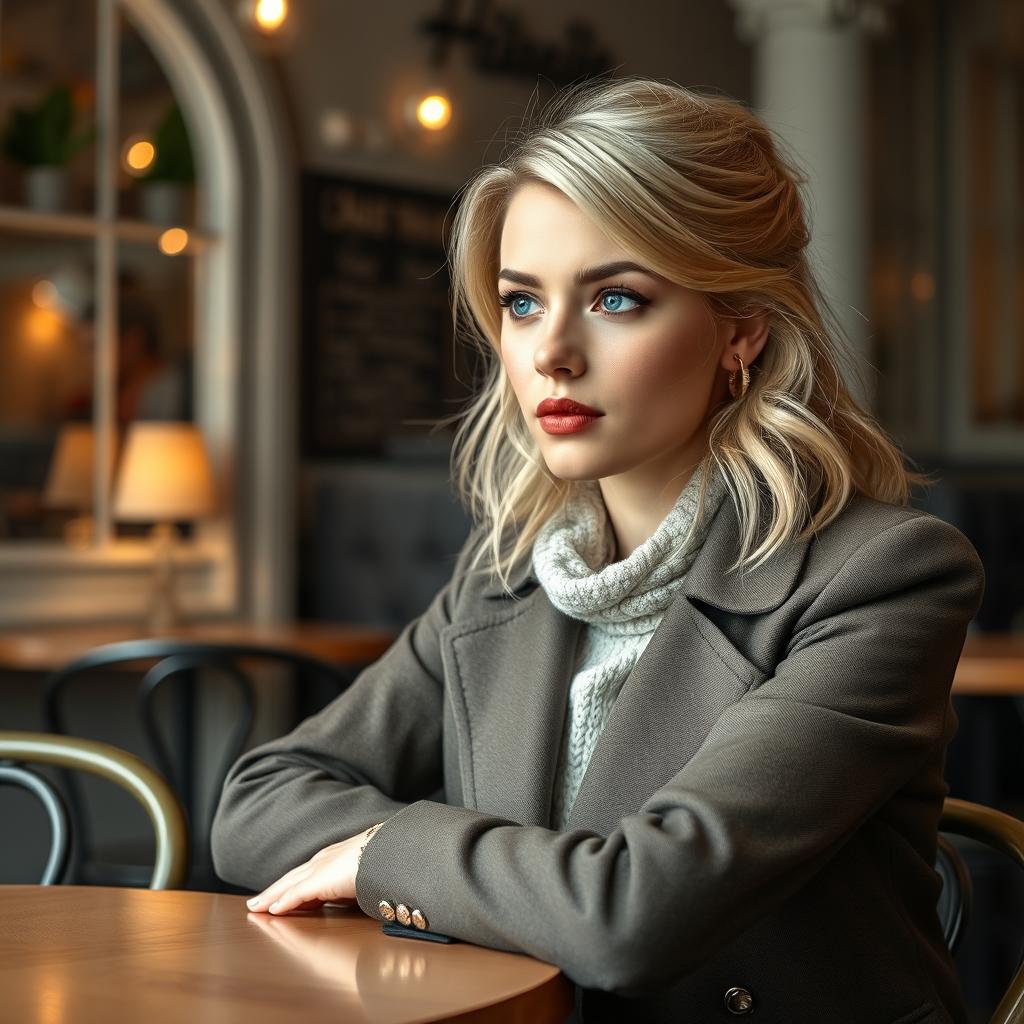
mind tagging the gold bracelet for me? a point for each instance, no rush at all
(369, 836)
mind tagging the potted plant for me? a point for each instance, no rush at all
(43, 139)
(165, 184)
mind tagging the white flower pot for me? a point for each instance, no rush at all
(163, 202)
(46, 188)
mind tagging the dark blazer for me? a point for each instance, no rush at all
(759, 813)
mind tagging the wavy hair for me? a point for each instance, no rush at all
(693, 184)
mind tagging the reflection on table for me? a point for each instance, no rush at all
(84, 954)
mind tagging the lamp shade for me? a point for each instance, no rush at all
(165, 474)
(69, 481)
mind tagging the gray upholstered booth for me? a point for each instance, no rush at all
(383, 539)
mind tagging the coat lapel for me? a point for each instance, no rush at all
(661, 716)
(688, 674)
(508, 671)
(508, 681)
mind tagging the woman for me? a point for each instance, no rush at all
(685, 740)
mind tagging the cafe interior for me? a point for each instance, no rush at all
(227, 359)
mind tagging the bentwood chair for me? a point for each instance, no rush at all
(19, 749)
(176, 665)
(1001, 833)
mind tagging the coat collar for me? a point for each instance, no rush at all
(509, 669)
(759, 589)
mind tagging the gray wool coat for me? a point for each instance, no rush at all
(759, 813)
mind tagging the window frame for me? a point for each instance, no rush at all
(235, 118)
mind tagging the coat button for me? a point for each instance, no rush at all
(739, 1001)
(402, 913)
(386, 910)
(418, 919)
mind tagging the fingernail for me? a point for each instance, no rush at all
(274, 906)
(254, 902)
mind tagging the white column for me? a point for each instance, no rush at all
(809, 87)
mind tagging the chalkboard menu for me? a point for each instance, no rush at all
(376, 316)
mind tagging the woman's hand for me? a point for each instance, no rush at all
(327, 876)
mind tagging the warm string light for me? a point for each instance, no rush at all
(139, 154)
(173, 241)
(434, 111)
(270, 15)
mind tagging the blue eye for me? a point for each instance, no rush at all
(612, 302)
(517, 304)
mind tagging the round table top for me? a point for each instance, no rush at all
(86, 953)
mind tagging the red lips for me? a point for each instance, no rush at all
(565, 407)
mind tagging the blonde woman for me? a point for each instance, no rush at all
(677, 722)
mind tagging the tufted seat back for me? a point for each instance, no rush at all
(384, 539)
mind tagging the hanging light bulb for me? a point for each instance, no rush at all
(270, 15)
(137, 154)
(434, 111)
(173, 241)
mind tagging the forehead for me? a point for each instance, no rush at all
(543, 224)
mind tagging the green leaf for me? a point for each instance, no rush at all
(174, 161)
(43, 135)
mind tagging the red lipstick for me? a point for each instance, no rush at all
(564, 416)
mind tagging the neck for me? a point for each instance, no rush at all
(635, 513)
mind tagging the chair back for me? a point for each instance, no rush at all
(174, 663)
(1004, 834)
(170, 866)
(956, 899)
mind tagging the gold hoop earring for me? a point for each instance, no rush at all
(744, 376)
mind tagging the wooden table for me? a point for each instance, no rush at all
(44, 648)
(991, 665)
(990, 670)
(77, 955)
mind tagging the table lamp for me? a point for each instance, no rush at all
(69, 480)
(164, 478)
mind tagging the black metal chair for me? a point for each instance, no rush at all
(1001, 833)
(19, 749)
(957, 897)
(182, 661)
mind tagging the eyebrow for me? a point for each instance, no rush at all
(581, 277)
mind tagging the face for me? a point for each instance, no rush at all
(642, 350)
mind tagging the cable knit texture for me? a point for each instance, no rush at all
(620, 602)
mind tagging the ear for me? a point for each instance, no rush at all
(744, 336)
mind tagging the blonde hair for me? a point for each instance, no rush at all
(692, 184)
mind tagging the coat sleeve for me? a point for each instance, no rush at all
(763, 804)
(361, 759)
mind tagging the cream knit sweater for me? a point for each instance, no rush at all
(620, 602)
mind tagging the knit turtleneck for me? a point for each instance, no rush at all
(621, 604)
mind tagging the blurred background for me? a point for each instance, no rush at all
(225, 332)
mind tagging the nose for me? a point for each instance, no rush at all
(557, 350)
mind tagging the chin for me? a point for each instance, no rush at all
(577, 469)
(569, 478)
(567, 459)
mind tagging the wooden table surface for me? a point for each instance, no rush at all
(85, 954)
(44, 648)
(992, 665)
